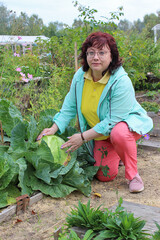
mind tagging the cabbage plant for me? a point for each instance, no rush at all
(28, 166)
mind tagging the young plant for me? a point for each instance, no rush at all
(119, 225)
(86, 217)
(124, 226)
(156, 235)
(151, 94)
(72, 235)
(105, 169)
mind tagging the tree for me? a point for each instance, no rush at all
(151, 20)
(35, 25)
(53, 29)
(19, 25)
(6, 18)
(77, 23)
(138, 25)
(124, 25)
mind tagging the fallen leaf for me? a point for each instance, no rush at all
(98, 195)
(33, 212)
(18, 220)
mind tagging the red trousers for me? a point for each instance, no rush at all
(120, 145)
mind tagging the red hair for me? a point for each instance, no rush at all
(99, 40)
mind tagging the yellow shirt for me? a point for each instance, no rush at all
(90, 98)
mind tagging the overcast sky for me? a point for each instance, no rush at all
(64, 10)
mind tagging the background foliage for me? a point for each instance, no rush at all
(52, 62)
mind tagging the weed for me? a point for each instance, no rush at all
(156, 235)
(151, 94)
(150, 106)
(105, 169)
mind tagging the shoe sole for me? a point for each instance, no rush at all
(136, 191)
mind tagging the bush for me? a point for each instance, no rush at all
(150, 106)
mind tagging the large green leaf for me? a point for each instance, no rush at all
(18, 137)
(51, 173)
(46, 119)
(4, 166)
(32, 158)
(15, 114)
(5, 139)
(42, 172)
(90, 171)
(3, 199)
(9, 115)
(55, 143)
(17, 153)
(32, 130)
(24, 173)
(9, 170)
(106, 234)
(63, 170)
(56, 191)
(44, 152)
(76, 178)
(9, 195)
(84, 157)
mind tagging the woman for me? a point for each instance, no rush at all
(110, 118)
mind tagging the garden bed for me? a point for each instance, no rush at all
(44, 217)
(148, 213)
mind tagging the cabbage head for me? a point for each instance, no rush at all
(55, 143)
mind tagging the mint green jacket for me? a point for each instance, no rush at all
(117, 103)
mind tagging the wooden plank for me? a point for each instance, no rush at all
(11, 210)
(79, 231)
(57, 232)
(152, 144)
(155, 132)
(7, 213)
(35, 198)
(51, 232)
(145, 212)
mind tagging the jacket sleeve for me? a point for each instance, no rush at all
(68, 110)
(122, 99)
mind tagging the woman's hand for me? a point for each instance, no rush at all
(74, 142)
(48, 131)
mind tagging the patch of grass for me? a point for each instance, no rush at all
(151, 94)
(151, 106)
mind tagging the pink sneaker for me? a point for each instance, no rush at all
(136, 184)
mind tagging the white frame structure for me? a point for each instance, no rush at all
(155, 28)
(23, 41)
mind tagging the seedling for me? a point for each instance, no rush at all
(105, 169)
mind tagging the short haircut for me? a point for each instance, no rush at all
(99, 40)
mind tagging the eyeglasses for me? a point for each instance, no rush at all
(91, 54)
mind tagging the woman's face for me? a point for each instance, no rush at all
(98, 59)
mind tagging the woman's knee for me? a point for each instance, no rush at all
(119, 133)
